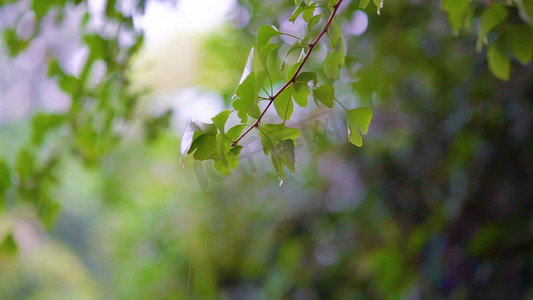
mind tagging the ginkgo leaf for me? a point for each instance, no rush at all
(332, 65)
(325, 94)
(283, 104)
(265, 33)
(204, 147)
(220, 120)
(494, 15)
(358, 122)
(301, 8)
(520, 41)
(499, 63)
(272, 134)
(193, 130)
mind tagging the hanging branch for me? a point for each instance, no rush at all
(293, 78)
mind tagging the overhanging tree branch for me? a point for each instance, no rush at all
(293, 78)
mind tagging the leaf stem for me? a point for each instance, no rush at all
(293, 78)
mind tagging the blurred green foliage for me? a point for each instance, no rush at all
(437, 205)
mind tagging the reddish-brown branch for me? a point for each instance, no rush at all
(293, 78)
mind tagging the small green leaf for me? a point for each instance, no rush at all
(5, 181)
(278, 141)
(265, 33)
(298, 11)
(285, 149)
(294, 68)
(499, 63)
(220, 120)
(265, 51)
(300, 94)
(301, 90)
(525, 9)
(193, 130)
(235, 131)
(457, 13)
(205, 147)
(305, 77)
(334, 33)
(358, 120)
(325, 94)
(283, 104)
(221, 149)
(331, 66)
(42, 123)
(520, 41)
(8, 246)
(314, 21)
(379, 5)
(363, 3)
(69, 84)
(25, 163)
(308, 13)
(272, 134)
(245, 99)
(494, 15)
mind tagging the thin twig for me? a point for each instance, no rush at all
(293, 78)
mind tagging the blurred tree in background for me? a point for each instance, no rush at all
(436, 205)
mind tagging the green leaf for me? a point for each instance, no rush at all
(300, 91)
(282, 155)
(13, 43)
(300, 94)
(294, 68)
(314, 21)
(54, 68)
(8, 246)
(69, 84)
(285, 149)
(24, 163)
(525, 10)
(379, 5)
(245, 99)
(493, 16)
(363, 3)
(193, 130)
(325, 94)
(265, 33)
(298, 11)
(235, 131)
(5, 181)
(499, 63)
(457, 13)
(232, 157)
(520, 41)
(97, 45)
(308, 13)
(334, 33)
(332, 65)
(265, 51)
(272, 134)
(205, 147)
(358, 120)
(305, 77)
(283, 104)
(221, 149)
(42, 123)
(220, 120)
(278, 141)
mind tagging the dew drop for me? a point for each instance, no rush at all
(280, 182)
